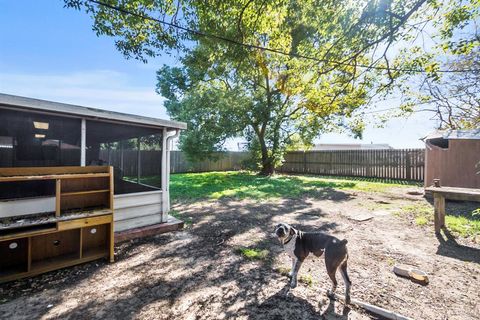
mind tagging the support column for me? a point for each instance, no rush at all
(83, 143)
(138, 160)
(164, 177)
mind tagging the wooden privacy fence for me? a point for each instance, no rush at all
(227, 161)
(402, 164)
(150, 162)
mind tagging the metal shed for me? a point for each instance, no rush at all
(39, 133)
(453, 157)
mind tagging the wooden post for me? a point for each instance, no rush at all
(58, 196)
(112, 188)
(439, 211)
(112, 242)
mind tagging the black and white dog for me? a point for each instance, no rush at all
(300, 244)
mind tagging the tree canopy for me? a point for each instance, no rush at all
(277, 72)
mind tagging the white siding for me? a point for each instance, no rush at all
(135, 210)
(26, 206)
(132, 210)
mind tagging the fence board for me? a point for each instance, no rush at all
(401, 164)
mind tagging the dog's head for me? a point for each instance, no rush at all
(283, 231)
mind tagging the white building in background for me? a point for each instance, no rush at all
(350, 146)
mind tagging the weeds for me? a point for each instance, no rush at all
(253, 254)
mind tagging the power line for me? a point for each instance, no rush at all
(414, 105)
(273, 50)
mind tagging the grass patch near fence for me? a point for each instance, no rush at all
(249, 185)
(461, 222)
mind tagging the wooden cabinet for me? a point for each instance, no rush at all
(80, 229)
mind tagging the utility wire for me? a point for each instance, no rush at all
(273, 50)
(413, 105)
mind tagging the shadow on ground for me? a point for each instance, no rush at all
(209, 277)
(449, 247)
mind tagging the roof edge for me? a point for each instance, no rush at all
(85, 112)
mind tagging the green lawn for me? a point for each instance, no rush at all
(247, 185)
(462, 222)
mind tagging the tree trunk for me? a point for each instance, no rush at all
(267, 168)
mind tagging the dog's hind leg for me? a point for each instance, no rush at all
(331, 273)
(346, 279)
(332, 263)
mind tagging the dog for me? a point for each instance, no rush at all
(299, 245)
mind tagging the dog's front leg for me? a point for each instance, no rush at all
(296, 267)
(290, 274)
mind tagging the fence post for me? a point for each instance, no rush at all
(408, 166)
(304, 161)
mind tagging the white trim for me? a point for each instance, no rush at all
(164, 181)
(136, 193)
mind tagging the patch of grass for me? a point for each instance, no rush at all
(253, 254)
(391, 261)
(463, 223)
(421, 221)
(464, 226)
(248, 185)
(283, 271)
(420, 212)
(306, 279)
(186, 220)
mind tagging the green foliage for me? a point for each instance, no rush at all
(275, 100)
(306, 279)
(421, 221)
(476, 212)
(253, 254)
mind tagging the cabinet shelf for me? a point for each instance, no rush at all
(79, 193)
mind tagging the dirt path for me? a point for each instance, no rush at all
(199, 274)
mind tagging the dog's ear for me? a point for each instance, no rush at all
(292, 231)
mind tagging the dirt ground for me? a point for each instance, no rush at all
(198, 273)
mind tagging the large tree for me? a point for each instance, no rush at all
(324, 60)
(451, 96)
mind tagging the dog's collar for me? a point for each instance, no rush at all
(290, 237)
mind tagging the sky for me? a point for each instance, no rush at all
(50, 52)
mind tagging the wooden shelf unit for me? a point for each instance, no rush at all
(80, 229)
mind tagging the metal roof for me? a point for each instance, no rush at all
(462, 134)
(454, 134)
(31, 104)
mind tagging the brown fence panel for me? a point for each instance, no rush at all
(399, 164)
(150, 161)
